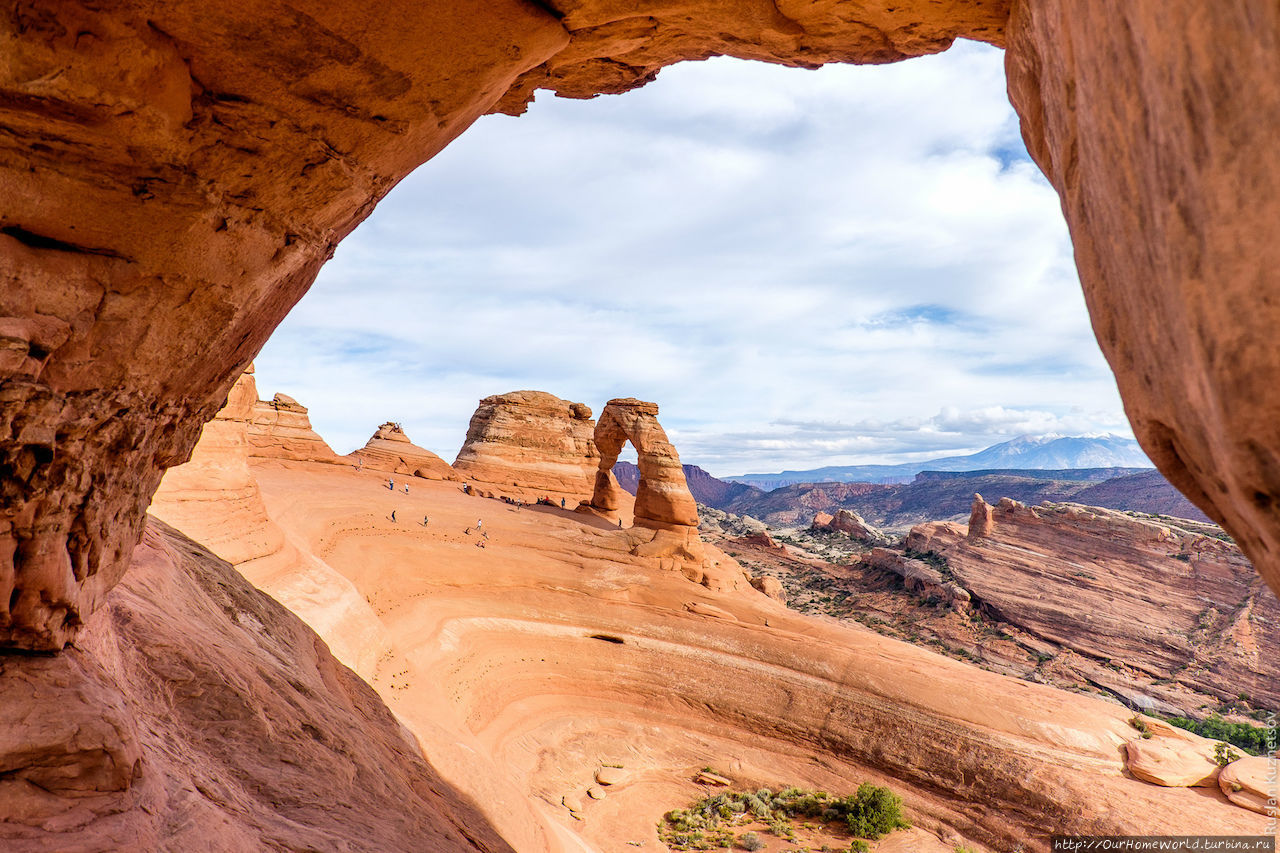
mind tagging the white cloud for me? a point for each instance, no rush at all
(747, 245)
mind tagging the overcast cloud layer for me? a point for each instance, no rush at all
(803, 268)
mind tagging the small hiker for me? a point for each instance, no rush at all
(562, 503)
(391, 484)
(425, 521)
(466, 488)
(479, 523)
(619, 524)
(359, 464)
(406, 488)
(393, 515)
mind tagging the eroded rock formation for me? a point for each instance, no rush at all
(1170, 184)
(214, 498)
(1154, 597)
(530, 444)
(391, 450)
(662, 496)
(280, 428)
(851, 524)
(175, 175)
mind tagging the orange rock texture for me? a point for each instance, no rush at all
(391, 450)
(1170, 182)
(280, 428)
(528, 445)
(175, 175)
(662, 497)
(196, 713)
(1165, 600)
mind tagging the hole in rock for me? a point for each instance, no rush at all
(608, 638)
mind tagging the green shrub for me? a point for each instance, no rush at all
(1251, 739)
(874, 812)
(750, 841)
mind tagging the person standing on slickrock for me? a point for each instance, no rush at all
(406, 488)
(393, 515)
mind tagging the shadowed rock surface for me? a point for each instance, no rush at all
(196, 713)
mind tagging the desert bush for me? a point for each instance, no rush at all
(874, 811)
(750, 841)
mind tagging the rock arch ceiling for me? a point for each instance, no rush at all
(175, 175)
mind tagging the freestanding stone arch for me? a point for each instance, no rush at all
(663, 500)
(175, 174)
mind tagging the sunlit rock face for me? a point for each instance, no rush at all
(663, 500)
(530, 445)
(390, 450)
(174, 176)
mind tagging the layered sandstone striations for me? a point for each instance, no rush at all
(390, 450)
(530, 444)
(215, 499)
(174, 176)
(560, 650)
(196, 713)
(1140, 593)
(280, 428)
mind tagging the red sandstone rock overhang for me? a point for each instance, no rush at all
(174, 175)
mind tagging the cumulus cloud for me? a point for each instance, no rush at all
(758, 249)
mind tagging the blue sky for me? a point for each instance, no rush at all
(802, 268)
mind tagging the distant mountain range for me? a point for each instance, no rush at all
(1046, 452)
(704, 488)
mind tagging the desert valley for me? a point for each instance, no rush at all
(218, 634)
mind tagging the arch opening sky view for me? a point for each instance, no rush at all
(802, 268)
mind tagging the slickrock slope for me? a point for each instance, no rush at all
(530, 444)
(391, 450)
(558, 649)
(1142, 593)
(195, 713)
(215, 499)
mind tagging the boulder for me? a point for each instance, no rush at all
(1172, 757)
(1252, 783)
(771, 587)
